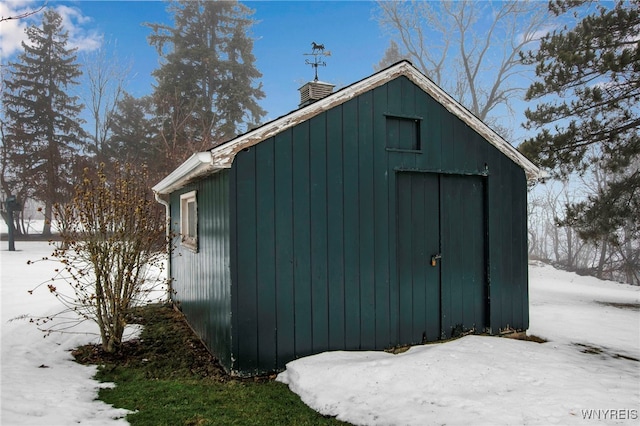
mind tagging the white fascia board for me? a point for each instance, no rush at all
(199, 164)
(531, 170)
(223, 155)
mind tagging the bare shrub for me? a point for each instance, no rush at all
(112, 252)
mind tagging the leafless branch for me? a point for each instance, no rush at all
(23, 15)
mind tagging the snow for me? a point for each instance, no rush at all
(585, 365)
(41, 384)
(483, 380)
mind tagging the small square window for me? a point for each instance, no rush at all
(189, 220)
(403, 133)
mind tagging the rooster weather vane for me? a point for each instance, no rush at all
(317, 51)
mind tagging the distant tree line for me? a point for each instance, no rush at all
(207, 91)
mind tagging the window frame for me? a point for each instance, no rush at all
(189, 230)
(416, 131)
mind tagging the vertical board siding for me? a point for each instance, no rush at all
(418, 225)
(350, 220)
(319, 232)
(320, 248)
(431, 131)
(245, 284)
(520, 275)
(381, 225)
(302, 308)
(366, 220)
(418, 255)
(507, 235)
(503, 295)
(285, 291)
(335, 231)
(463, 243)
(266, 249)
(202, 279)
(405, 237)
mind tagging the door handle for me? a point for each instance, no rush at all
(434, 259)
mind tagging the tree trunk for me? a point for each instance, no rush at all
(570, 263)
(630, 256)
(603, 253)
(48, 216)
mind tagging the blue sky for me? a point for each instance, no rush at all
(283, 33)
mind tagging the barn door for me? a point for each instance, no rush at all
(441, 260)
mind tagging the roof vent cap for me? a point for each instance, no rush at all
(314, 91)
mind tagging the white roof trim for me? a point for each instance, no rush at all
(223, 155)
(199, 164)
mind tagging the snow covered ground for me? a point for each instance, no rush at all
(41, 384)
(588, 368)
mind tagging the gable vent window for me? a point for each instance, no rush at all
(189, 220)
(403, 133)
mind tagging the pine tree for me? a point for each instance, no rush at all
(592, 119)
(43, 127)
(206, 91)
(469, 48)
(131, 131)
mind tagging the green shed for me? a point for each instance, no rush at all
(383, 214)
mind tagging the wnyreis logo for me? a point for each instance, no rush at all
(610, 414)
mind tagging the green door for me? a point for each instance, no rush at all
(441, 256)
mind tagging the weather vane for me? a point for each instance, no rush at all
(317, 51)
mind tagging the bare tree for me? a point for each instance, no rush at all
(391, 56)
(106, 77)
(548, 239)
(471, 49)
(553, 237)
(544, 235)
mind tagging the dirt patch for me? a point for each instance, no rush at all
(533, 338)
(522, 335)
(517, 335)
(167, 347)
(603, 352)
(630, 306)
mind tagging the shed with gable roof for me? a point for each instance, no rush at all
(383, 214)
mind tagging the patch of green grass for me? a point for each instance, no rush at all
(182, 402)
(168, 378)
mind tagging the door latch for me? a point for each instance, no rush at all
(434, 259)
